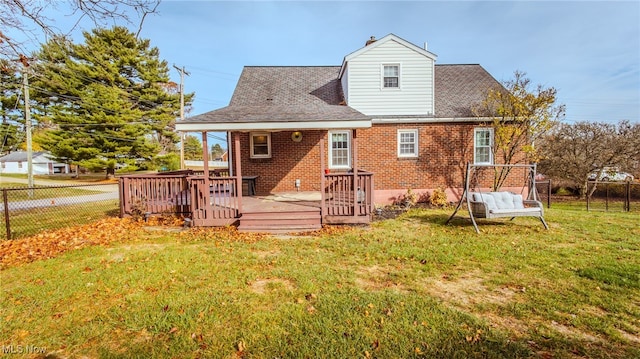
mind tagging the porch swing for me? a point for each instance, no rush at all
(499, 204)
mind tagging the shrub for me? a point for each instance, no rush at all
(409, 199)
(438, 198)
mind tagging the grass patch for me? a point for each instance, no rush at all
(623, 275)
(18, 192)
(31, 221)
(89, 177)
(409, 287)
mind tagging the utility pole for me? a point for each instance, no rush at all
(27, 119)
(182, 138)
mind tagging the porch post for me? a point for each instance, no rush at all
(236, 150)
(208, 209)
(322, 179)
(205, 155)
(354, 143)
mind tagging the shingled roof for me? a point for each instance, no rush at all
(458, 88)
(285, 94)
(313, 94)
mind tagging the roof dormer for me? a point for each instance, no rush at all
(389, 76)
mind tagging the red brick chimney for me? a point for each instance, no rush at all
(370, 41)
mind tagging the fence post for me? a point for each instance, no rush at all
(628, 199)
(549, 193)
(587, 194)
(7, 222)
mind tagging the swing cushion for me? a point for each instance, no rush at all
(500, 202)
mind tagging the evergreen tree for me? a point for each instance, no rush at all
(192, 148)
(109, 100)
(216, 151)
(11, 119)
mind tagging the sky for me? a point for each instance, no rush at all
(588, 50)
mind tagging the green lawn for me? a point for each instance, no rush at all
(405, 288)
(18, 192)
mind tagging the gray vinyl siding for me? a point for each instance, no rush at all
(365, 90)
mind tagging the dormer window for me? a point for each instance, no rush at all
(391, 76)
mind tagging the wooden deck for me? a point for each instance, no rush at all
(281, 213)
(347, 198)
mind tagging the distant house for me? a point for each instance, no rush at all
(43, 163)
(199, 165)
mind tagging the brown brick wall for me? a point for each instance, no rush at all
(444, 150)
(289, 161)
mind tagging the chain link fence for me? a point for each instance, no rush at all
(28, 211)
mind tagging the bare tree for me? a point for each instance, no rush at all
(520, 116)
(28, 17)
(572, 151)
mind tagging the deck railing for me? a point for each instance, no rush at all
(182, 193)
(221, 194)
(347, 194)
(154, 194)
(219, 172)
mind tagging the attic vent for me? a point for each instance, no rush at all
(370, 41)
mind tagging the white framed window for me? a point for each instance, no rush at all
(19, 164)
(391, 76)
(260, 144)
(483, 146)
(407, 143)
(339, 149)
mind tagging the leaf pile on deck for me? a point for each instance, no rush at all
(52, 243)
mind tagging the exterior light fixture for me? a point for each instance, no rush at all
(296, 136)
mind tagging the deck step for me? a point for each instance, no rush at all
(281, 222)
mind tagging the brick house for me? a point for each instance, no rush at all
(310, 145)
(388, 109)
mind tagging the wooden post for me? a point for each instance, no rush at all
(208, 209)
(322, 179)
(354, 143)
(236, 150)
(123, 193)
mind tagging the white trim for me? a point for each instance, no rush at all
(416, 151)
(330, 149)
(263, 126)
(491, 141)
(251, 148)
(430, 120)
